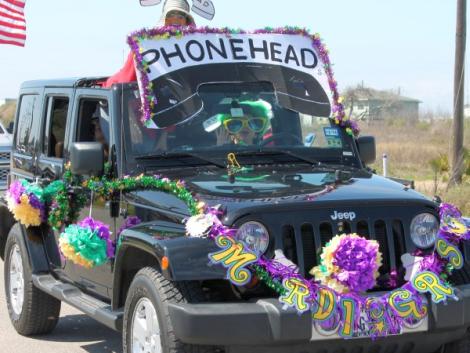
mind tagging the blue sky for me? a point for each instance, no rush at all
(406, 44)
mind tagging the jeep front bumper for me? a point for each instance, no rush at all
(263, 326)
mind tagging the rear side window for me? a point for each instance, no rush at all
(26, 134)
(54, 134)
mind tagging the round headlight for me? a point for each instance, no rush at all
(423, 230)
(255, 236)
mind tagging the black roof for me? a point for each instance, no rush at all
(66, 82)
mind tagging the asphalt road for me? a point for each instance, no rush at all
(75, 333)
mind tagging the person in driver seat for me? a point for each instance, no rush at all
(245, 124)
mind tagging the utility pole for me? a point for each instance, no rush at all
(459, 70)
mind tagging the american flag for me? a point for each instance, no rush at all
(12, 22)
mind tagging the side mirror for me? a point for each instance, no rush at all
(367, 151)
(149, 2)
(87, 158)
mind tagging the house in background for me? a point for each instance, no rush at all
(6, 101)
(466, 111)
(364, 103)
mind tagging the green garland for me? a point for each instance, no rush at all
(269, 281)
(66, 205)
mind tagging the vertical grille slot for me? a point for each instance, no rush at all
(326, 233)
(344, 228)
(363, 229)
(380, 232)
(308, 241)
(398, 240)
(289, 245)
(4, 156)
(4, 174)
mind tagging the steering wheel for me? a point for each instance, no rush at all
(282, 136)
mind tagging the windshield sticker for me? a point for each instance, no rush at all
(237, 112)
(334, 142)
(212, 123)
(333, 137)
(309, 139)
(331, 131)
(226, 101)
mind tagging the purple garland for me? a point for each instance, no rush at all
(149, 100)
(393, 322)
(130, 222)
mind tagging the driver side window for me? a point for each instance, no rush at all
(94, 122)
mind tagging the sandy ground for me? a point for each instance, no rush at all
(75, 333)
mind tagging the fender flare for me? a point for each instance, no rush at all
(32, 241)
(187, 257)
(135, 245)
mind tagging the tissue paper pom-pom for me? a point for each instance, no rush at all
(83, 246)
(200, 225)
(15, 191)
(26, 202)
(24, 212)
(349, 263)
(102, 231)
(70, 253)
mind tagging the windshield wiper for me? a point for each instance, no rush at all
(176, 155)
(335, 166)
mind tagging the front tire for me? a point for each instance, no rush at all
(147, 326)
(31, 311)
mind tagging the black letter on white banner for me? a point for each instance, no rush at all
(254, 50)
(151, 60)
(193, 43)
(237, 49)
(304, 58)
(177, 53)
(222, 51)
(275, 52)
(291, 55)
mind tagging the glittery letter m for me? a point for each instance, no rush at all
(235, 258)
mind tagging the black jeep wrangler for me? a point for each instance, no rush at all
(297, 180)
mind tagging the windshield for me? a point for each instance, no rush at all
(237, 117)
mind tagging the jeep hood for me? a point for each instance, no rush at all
(268, 189)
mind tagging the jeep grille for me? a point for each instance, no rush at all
(4, 156)
(389, 234)
(3, 177)
(302, 233)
